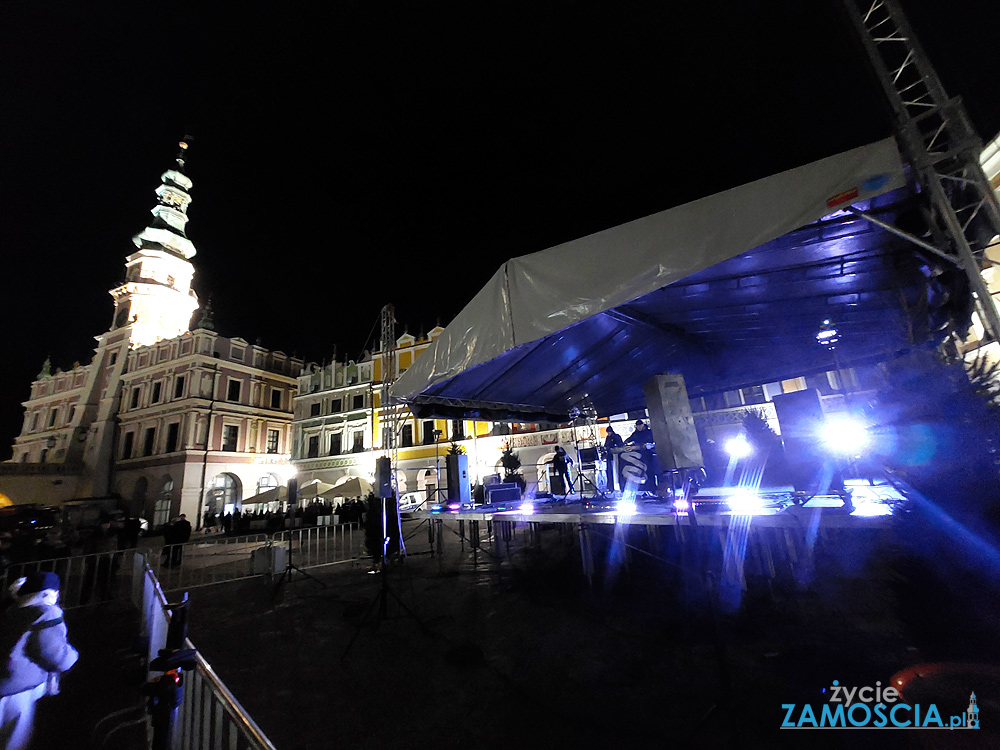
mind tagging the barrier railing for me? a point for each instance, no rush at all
(209, 717)
(85, 579)
(103, 576)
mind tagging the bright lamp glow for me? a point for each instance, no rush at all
(738, 447)
(681, 505)
(626, 507)
(527, 508)
(745, 503)
(872, 510)
(844, 435)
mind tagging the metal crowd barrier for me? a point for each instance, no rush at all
(104, 576)
(209, 717)
(85, 579)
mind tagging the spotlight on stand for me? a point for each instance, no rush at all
(738, 447)
(844, 436)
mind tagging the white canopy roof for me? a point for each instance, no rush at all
(534, 296)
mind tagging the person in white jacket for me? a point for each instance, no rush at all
(33, 638)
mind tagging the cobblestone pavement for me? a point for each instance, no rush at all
(524, 654)
(478, 653)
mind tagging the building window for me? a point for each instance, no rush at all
(238, 355)
(114, 358)
(336, 406)
(230, 437)
(179, 387)
(275, 398)
(34, 422)
(148, 441)
(359, 441)
(266, 482)
(359, 401)
(714, 402)
(173, 429)
(406, 438)
(161, 513)
(52, 417)
(732, 398)
(457, 429)
(156, 392)
(233, 392)
(272, 441)
(314, 409)
(72, 413)
(127, 444)
(134, 403)
(313, 447)
(754, 395)
(335, 444)
(427, 428)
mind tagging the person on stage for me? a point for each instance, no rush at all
(612, 442)
(560, 463)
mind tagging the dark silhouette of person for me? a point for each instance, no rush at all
(181, 529)
(612, 442)
(560, 463)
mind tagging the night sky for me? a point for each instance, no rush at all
(350, 154)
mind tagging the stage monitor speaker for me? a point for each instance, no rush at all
(672, 422)
(383, 477)
(800, 417)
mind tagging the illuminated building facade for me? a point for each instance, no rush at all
(163, 419)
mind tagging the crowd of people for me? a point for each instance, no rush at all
(245, 521)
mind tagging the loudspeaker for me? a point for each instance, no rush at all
(672, 422)
(459, 485)
(588, 457)
(383, 477)
(293, 493)
(800, 417)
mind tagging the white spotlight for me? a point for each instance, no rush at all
(745, 503)
(844, 435)
(738, 447)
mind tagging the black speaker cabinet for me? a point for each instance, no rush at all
(383, 477)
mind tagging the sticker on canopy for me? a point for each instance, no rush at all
(875, 182)
(843, 197)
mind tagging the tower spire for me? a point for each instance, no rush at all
(166, 231)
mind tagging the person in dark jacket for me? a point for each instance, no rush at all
(612, 444)
(33, 637)
(181, 534)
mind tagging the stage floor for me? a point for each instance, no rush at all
(873, 506)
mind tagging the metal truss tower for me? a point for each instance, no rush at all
(389, 416)
(940, 143)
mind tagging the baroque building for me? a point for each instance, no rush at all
(164, 419)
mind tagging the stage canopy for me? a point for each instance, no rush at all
(729, 290)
